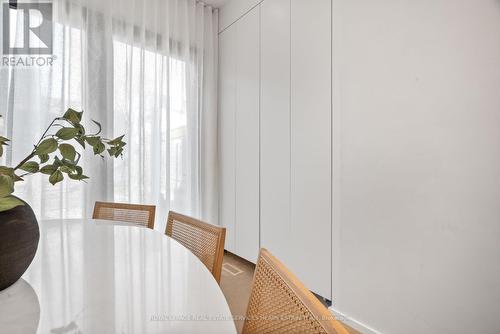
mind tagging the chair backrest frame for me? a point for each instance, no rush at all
(151, 209)
(220, 232)
(321, 318)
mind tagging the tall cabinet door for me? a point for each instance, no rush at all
(276, 228)
(247, 136)
(239, 130)
(227, 121)
(311, 123)
(295, 137)
(276, 136)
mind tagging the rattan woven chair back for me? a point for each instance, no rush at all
(204, 240)
(280, 303)
(130, 213)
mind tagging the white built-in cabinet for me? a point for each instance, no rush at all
(275, 209)
(275, 136)
(239, 135)
(226, 134)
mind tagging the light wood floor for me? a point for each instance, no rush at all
(236, 283)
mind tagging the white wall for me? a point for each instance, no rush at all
(416, 232)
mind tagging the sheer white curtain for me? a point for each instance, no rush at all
(143, 68)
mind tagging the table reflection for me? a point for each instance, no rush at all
(19, 309)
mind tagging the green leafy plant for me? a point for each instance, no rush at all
(55, 155)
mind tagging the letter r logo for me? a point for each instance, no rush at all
(27, 28)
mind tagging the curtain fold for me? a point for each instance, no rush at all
(143, 68)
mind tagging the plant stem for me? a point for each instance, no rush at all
(32, 154)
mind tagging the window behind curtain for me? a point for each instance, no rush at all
(164, 104)
(38, 95)
(150, 107)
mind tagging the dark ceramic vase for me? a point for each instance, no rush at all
(19, 236)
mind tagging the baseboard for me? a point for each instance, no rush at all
(359, 326)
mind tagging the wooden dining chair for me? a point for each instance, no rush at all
(204, 240)
(131, 213)
(280, 303)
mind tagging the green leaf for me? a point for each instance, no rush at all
(69, 163)
(67, 151)
(48, 169)
(47, 146)
(78, 177)
(30, 167)
(67, 133)
(80, 128)
(57, 162)
(73, 116)
(116, 141)
(112, 151)
(6, 185)
(81, 141)
(9, 202)
(99, 148)
(79, 114)
(6, 171)
(93, 141)
(56, 177)
(79, 170)
(66, 169)
(3, 142)
(10, 173)
(118, 152)
(43, 158)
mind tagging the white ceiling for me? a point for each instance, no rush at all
(215, 3)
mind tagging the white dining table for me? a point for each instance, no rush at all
(92, 276)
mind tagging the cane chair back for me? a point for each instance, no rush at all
(143, 215)
(204, 240)
(280, 303)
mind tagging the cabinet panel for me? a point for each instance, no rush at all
(276, 135)
(247, 136)
(227, 110)
(311, 143)
(275, 128)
